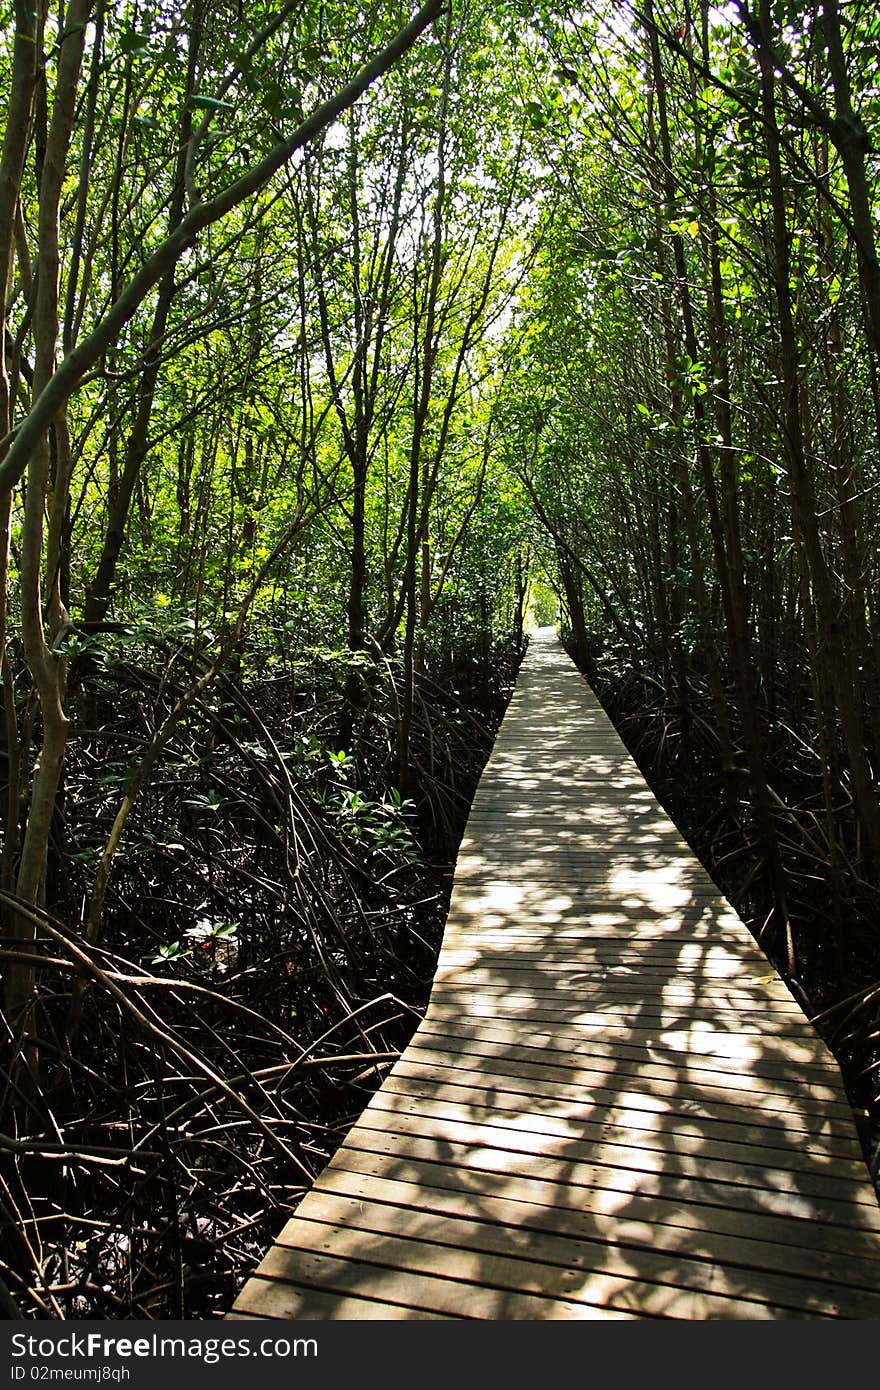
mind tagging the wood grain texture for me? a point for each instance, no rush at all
(613, 1108)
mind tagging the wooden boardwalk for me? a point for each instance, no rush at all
(613, 1107)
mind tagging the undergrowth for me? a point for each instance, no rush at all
(271, 930)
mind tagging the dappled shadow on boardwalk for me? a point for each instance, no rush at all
(613, 1106)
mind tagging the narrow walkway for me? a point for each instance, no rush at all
(613, 1107)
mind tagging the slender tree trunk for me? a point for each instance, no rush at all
(100, 590)
(47, 666)
(426, 354)
(26, 49)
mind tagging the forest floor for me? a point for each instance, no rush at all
(269, 944)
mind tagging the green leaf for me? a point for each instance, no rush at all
(211, 104)
(173, 951)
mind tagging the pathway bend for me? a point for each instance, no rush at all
(613, 1107)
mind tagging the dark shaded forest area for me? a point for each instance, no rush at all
(340, 346)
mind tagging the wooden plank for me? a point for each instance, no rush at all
(588, 873)
(265, 1296)
(584, 927)
(621, 974)
(580, 913)
(570, 948)
(611, 960)
(489, 907)
(496, 831)
(288, 1303)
